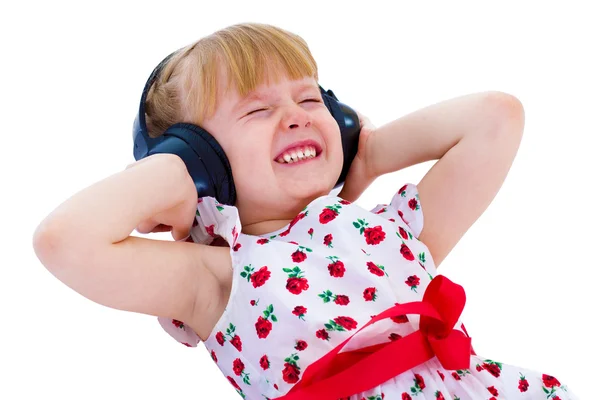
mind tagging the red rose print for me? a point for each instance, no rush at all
(322, 334)
(264, 362)
(260, 277)
(400, 319)
(296, 219)
(263, 327)
(252, 302)
(238, 366)
(406, 253)
(493, 391)
(419, 381)
(346, 322)
(341, 299)
(236, 342)
(262, 241)
(413, 281)
(413, 204)
(439, 395)
(220, 338)
(296, 285)
(375, 269)
(406, 396)
(394, 336)
(237, 247)
(523, 384)
(381, 211)
(550, 381)
(374, 235)
(401, 214)
(402, 189)
(301, 345)
(213, 355)
(336, 269)
(210, 230)
(178, 324)
(492, 368)
(478, 368)
(298, 256)
(403, 233)
(327, 215)
(369, 294)
(310, 232)
(290, 373)
(441, 376)
(299, 311)
(328, 239)
(455, 376)
(235, 385)
(344, 202)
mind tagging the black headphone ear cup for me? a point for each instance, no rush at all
(205, 160)
(349, 124)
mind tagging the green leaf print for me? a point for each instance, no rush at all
(326, 296)
(360, 224)
(248, 270)
(334, 326)
(268, 312)
(305, 248)
(220, 208)
(292, 360)
(422, 257)
(287, 270)
(230, 330)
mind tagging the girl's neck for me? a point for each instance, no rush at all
(265, 227)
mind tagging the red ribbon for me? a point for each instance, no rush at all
(337, 375)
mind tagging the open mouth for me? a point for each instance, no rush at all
(298, 154)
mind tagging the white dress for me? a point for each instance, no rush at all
(299, 292)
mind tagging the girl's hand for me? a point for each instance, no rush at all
(178, 220)
(359, 176)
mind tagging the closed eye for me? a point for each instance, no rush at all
(303, 101)
(257, 110)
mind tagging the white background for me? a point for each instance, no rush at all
(72, 75)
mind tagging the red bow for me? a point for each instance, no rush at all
(337, 375)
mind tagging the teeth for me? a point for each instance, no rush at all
(298, 155)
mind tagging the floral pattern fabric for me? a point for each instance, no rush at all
(300, 291)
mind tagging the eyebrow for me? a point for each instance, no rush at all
(257, 96)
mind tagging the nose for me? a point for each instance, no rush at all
(295, 117)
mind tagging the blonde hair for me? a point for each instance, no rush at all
(186, 90)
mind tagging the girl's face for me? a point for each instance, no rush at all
(284, 147)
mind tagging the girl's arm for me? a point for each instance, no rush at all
(86, 244)
(475, 139)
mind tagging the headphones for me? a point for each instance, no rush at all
(205, 159)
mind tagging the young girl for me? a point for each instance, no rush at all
(302, 294)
